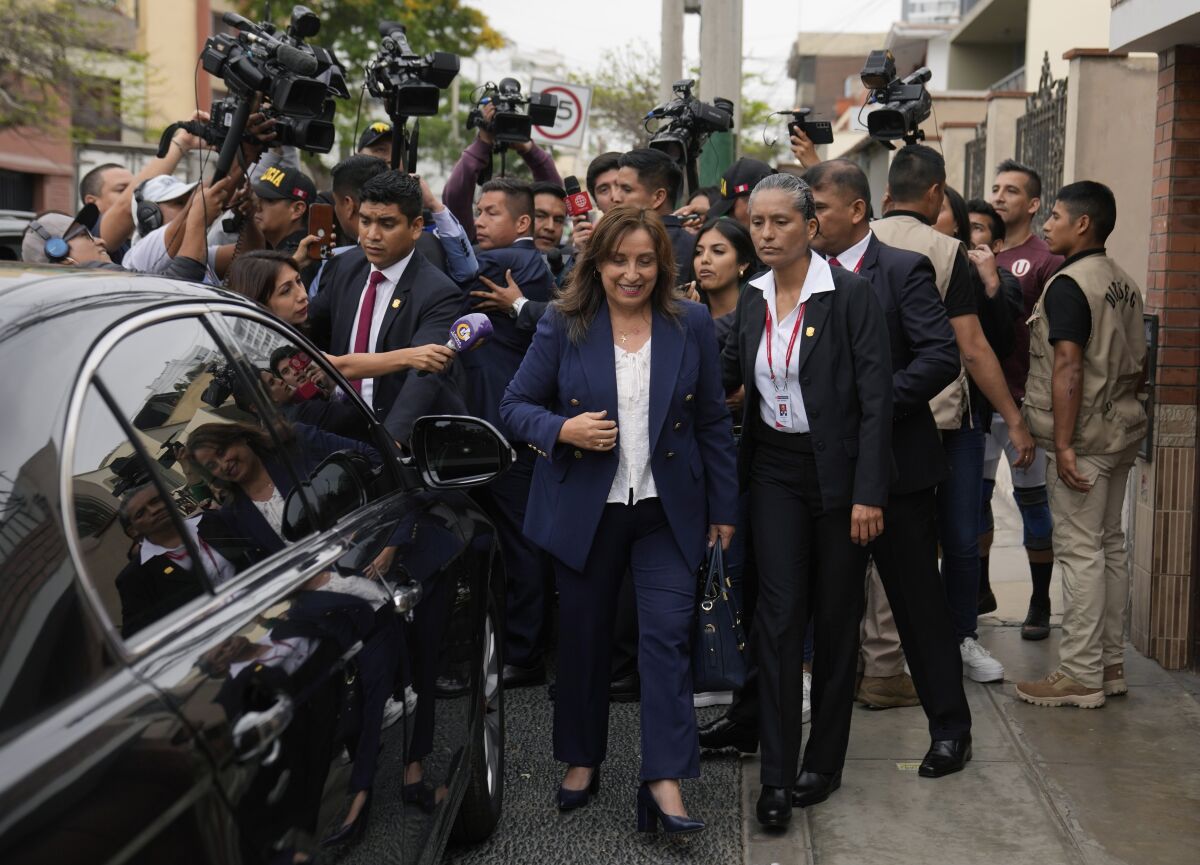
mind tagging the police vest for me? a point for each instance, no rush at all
(1111, 417)
(907, 232)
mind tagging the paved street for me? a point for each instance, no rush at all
(1115, 786)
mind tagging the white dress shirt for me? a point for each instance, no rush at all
(383, 299)
(634, 481)
(819, 279)
(852, 256)
(218, 568)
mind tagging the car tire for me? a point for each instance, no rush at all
(483, 801)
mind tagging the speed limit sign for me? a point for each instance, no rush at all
(571, 123)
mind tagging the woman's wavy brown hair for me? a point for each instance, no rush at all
(584, 292)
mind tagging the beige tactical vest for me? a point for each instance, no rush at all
(1111, 417)
(907, 232)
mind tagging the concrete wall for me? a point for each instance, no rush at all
(1101, 89)
(1002, 113)
(976, 66)
(1057, 26)
(170, 33)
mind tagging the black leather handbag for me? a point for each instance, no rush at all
(719, 641)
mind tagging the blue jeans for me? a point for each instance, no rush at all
(958, 498)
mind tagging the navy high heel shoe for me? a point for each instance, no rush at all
(650, 815)
(569, 800)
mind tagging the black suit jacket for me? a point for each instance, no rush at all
(424, 304)
(846, 380)
(924, 358)
(492, 367)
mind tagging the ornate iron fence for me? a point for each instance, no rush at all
(975, 172)
(1041, 134)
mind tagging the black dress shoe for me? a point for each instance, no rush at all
(524, 677)
(724, 733)
(946, 756)
(774, 809)
(626, 689)
(814, 787)
(1037, 623)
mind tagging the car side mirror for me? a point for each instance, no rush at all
(453, 451)
(338, 486)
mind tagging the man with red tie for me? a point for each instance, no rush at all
(387, 296)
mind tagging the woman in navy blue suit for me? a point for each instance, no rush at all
(620, 348)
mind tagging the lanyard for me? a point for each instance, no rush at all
(787, 358)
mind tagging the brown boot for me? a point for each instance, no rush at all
(1114, 680)
(887, 692)
(1059, 689)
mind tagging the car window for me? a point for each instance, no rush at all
(155, 528)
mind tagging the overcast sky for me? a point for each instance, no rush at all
(584, 29)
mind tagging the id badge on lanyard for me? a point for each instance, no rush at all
(783, 399)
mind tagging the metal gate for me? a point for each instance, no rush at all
(1041, 135)
(975, 170)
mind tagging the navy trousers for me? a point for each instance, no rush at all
(636, 537)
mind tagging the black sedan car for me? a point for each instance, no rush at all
(237, 622)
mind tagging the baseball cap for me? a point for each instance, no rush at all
(54, 225)
(284, 182)
(373, 133)
(739, 179)
(164, 187)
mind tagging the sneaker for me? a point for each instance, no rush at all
(806, 714)
(1037, 623)
(1114, 680)
(887, 692)
(978, 663)
(712, 698)
(1059, 689)
(987, 603)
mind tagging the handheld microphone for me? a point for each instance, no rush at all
(467, 334)
(578, 201)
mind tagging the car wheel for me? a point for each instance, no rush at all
(484, 798)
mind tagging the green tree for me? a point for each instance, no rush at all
(351, 29)
(624, 88)
(44, 68)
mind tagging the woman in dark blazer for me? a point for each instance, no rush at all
(621, 395)
(810, 347)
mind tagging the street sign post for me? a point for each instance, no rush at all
(571, 124)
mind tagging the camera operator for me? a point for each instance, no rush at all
(376, 140)
(650, 179)
(111, 188)
(458, 194)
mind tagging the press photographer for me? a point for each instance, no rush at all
(502, 125)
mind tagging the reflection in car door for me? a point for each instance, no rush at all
(412, 540)
(258, 673)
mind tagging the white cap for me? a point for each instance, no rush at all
(164, 188)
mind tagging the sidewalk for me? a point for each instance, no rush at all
(1120, 784)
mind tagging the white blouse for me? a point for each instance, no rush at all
(272, 511)
(634, 480)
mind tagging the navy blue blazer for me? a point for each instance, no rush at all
(847, 384)
(924, 359)
(491, 367)
(692, 454)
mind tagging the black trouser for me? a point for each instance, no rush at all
(906, 556)
(807, 566)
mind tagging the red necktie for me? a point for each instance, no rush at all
(833, 262)
(362, 333)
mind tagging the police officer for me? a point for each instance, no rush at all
(1087, 353)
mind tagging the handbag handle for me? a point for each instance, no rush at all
(714, 577)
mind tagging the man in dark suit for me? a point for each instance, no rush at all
(386, 295)
(650, 179)
(161, 577)
(508, 259)
(924, 360)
